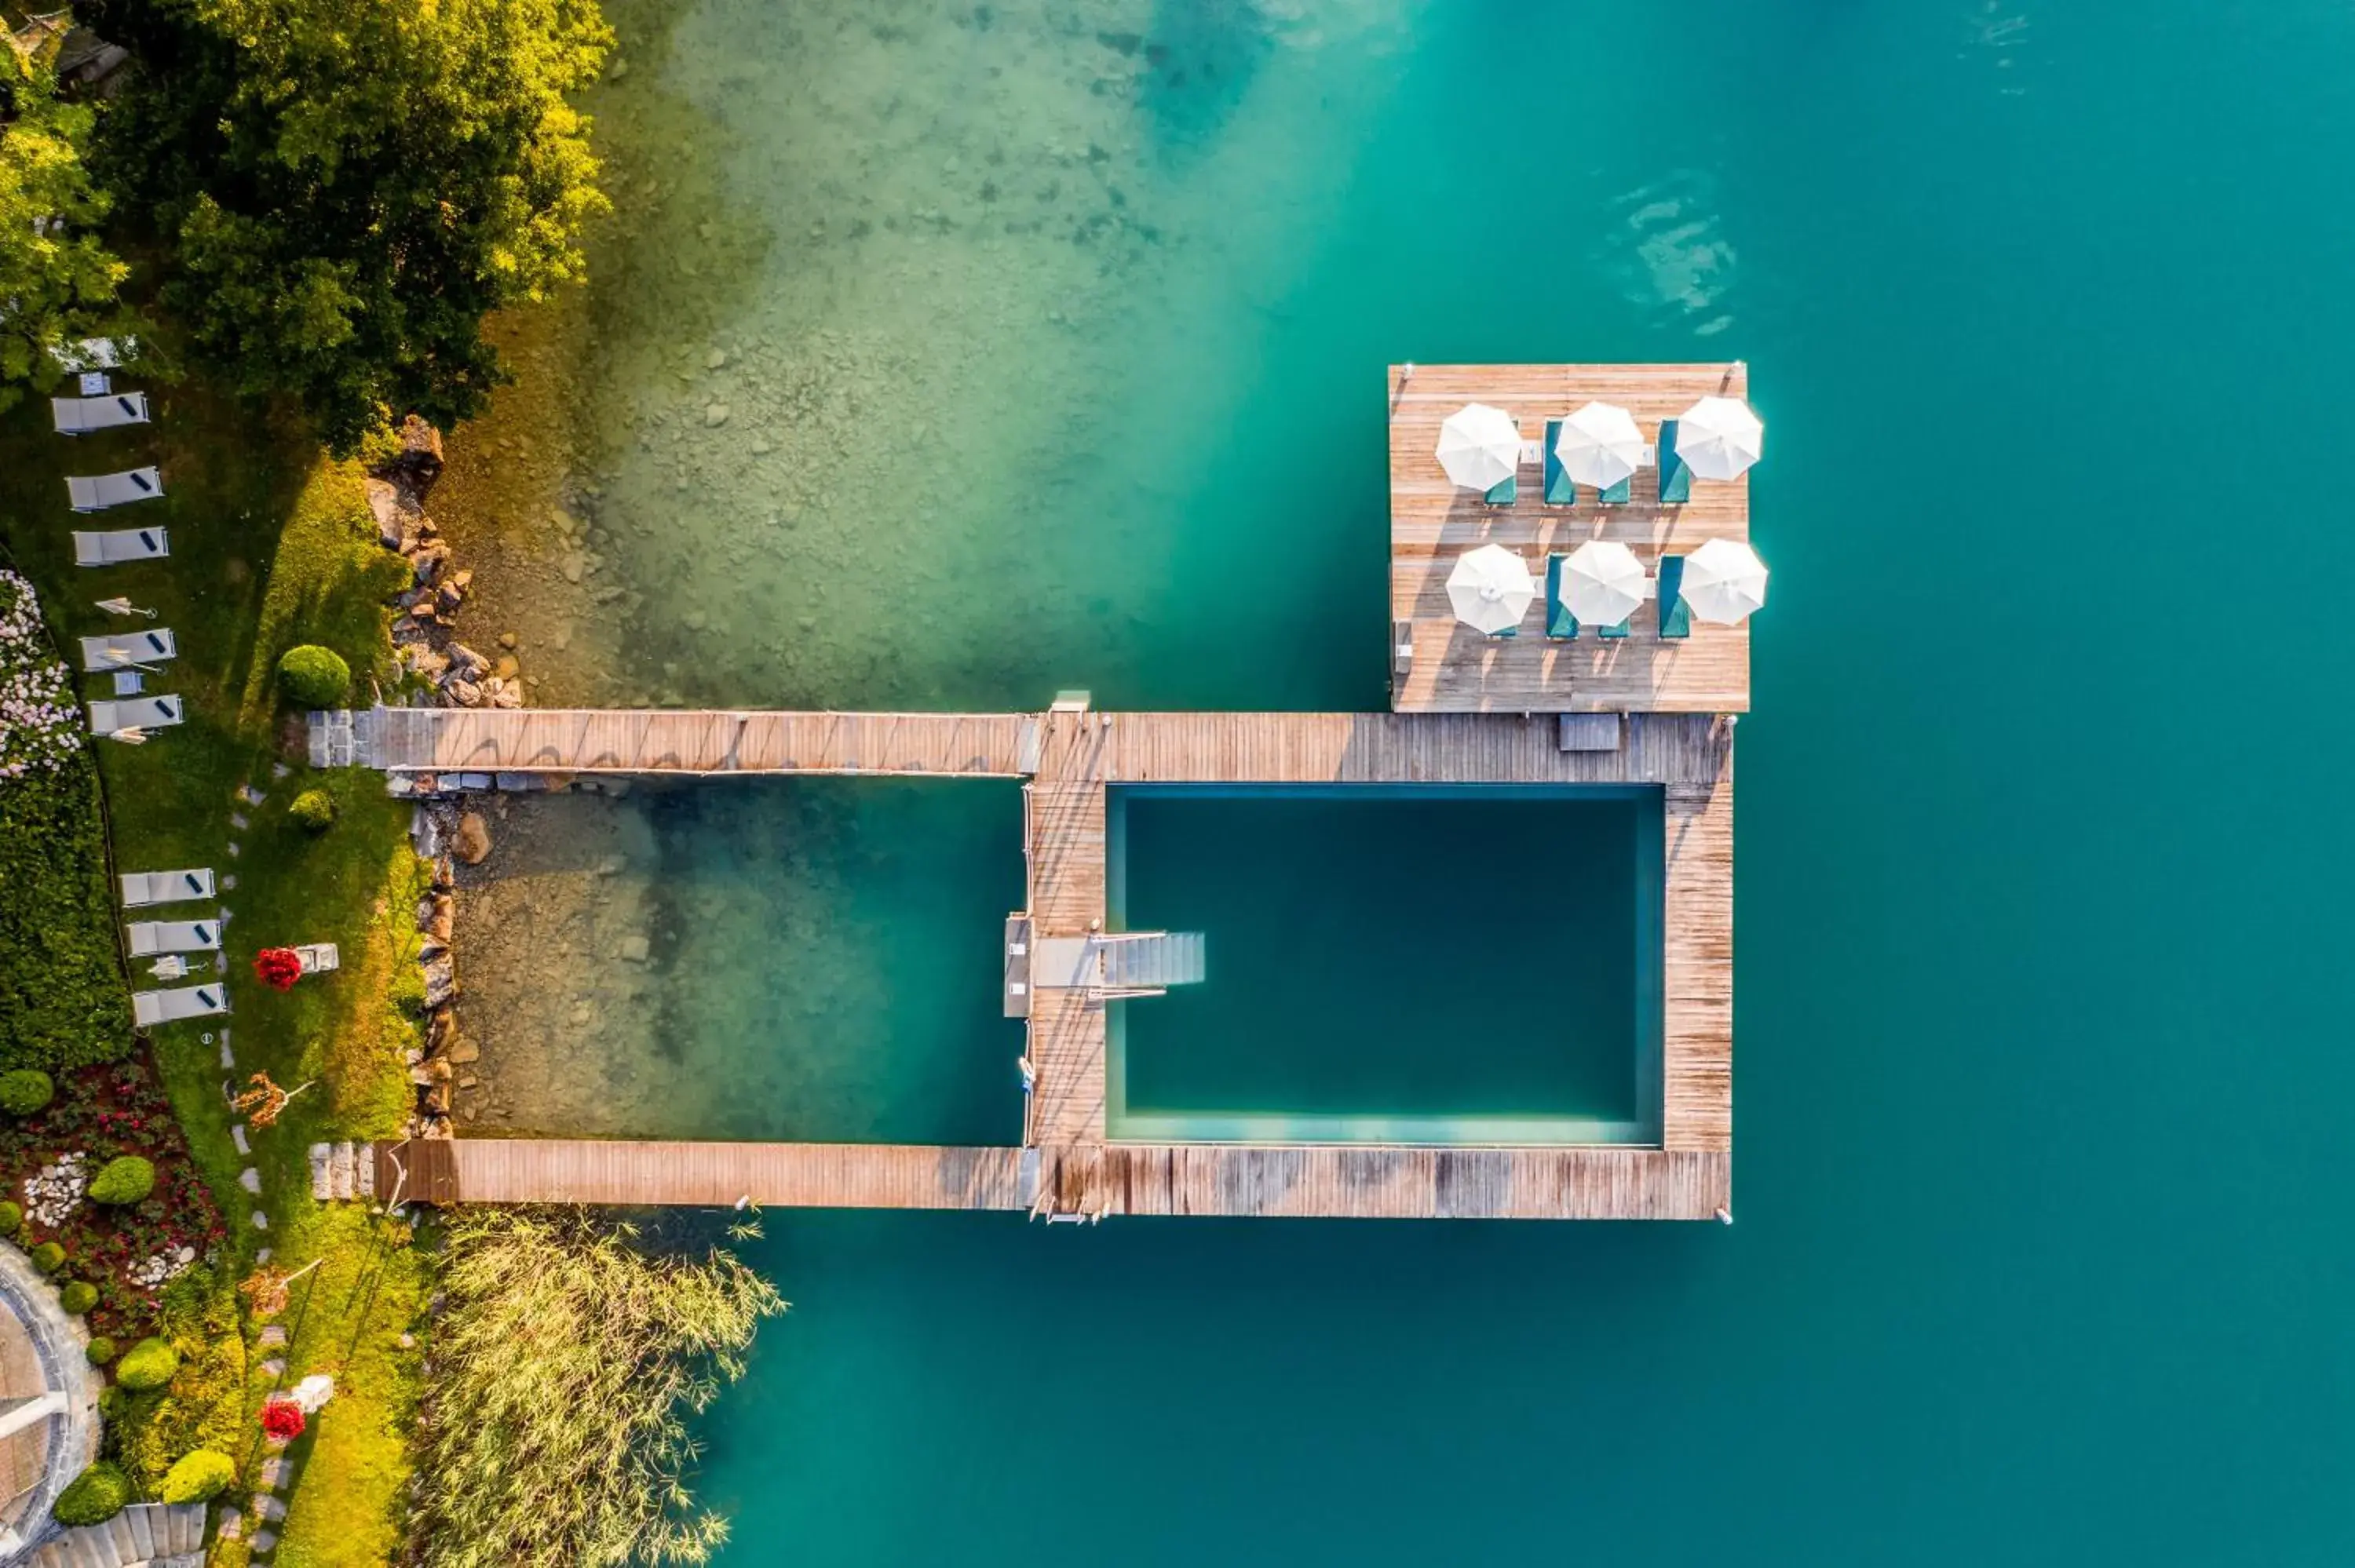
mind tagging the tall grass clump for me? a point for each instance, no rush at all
(567, 1362)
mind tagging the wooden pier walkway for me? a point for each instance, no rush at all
(703, 1175)
(662, 740)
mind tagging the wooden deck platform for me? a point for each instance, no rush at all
(661, 740)
(1451, 667)
(715, 1175)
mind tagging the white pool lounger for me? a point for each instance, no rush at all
(136, 712)
(152, 1007)
(122, 649)
(122, 544)
(149, 937)
(96, 493)
(144, 888)
(79, 416)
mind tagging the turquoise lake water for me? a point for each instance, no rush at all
(1049, 348)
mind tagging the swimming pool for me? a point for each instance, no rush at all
(1443, 964)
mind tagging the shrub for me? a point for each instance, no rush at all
(48, 1258)
(101, 1350)
(25, 1091)
(125, 1180)
(282, 1420)
(12, 1218)
(278, 967)
(79, 1297)
(313, 677)
(200, 1477)
(314, 810)
(95, 1496)
(148, 1364)
(110, 1401)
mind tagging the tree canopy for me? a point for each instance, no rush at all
(343, 190)
(57, 280)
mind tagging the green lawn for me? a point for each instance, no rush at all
(270, 546)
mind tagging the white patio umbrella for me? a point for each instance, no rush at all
(1490, 588)
(1479, 447)
(1719, 438)
(1600, 445)
(1724, 581)
(1602, 582)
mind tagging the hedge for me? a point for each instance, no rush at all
(124, 1181)
(313, 677)
(198, 1477)
(95, 1496)
(25, 1090)
(148, 1364)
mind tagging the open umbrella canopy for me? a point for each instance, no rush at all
(1490, 588)
(1479, 447)
(1602, 582)
(1719, 438)
(1724, 581)
(1600, 445)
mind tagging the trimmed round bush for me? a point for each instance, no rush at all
(313, 677)
(101, 1350)
(125, 1180)
(95, 1496)
(314, 810)
(48, 1257)
(12, 1218)
(25, 1091)
(148, 1364)
(79, 1297)
(198, 1477)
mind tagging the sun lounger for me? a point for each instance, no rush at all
(1620, 493)
(120, 650)
(318, 957)
(143, 888)
(1676, 616)
(149, 1008)
(99, 492)
(1560, 625)
(79, 416)
(1558, 489)
(1503, 492)
(1676, 478)
(140, 713)
(149, 937)
(1619, 629)
(122, 544)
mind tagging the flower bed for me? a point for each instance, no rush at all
(41, 724)
(127, 1251)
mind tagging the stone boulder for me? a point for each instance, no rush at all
(472, 842)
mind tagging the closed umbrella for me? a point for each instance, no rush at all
(1724, 581)
(1600, 445)
(1479, 447)
(1490, 588)
(1719, 438)
(1602, 582)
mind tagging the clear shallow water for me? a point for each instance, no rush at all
(2040, 1073)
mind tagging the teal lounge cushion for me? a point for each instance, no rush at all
(1503, 492)
(1676, 478)
(1676, 616)
(1560, 625)
(1559, 490)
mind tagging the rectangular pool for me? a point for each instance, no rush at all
(1443, 964)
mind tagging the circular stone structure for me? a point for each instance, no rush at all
(41, 1352)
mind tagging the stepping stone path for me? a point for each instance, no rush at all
(167, 1536)
(272, 1334)
(342, 1171)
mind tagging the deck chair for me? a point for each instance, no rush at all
(122, 544)
(1676, 615)
(1560, 625)
(119, 650)
(149, 1008)
(1558, 489)
(80, 416)
(140, 713)
(318, 957)
(143, 888)
(1676, 478)
(99, 492)
(149, 937)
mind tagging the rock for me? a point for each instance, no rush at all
(465, 1051)
(575, 568)
(466, 662)
(261, 1221)
(715, 415)
(438, 928)
(441, 981)
(633, 947)
(509, 667)
(507, 697)
(716, 360)
(507, 640)
(251, 1180)
(472, 841)
(468, 1081)
(393, 518)
(418, 462)
(460, 694)
(271, 1335)
(445, 876)
(448, 599)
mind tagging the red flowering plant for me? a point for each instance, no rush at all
(282, 1420)
(278, 967)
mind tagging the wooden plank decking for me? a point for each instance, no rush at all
(715, 1175)
(1452, 668)
(655, 740)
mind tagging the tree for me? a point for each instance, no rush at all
(344, 188)
(56, 280)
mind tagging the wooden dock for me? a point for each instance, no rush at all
(662, 740)
(1451, 667)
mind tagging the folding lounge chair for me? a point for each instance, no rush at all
(1676, 615)
(99, 492)
(149, 1008)
(79, 416)
(144, 888)
(120, 651)
(122, 544)
(1558, 489)
(1560, 625)
(318, 957)
(139, 713)
(149, 937)
(1676, 478)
